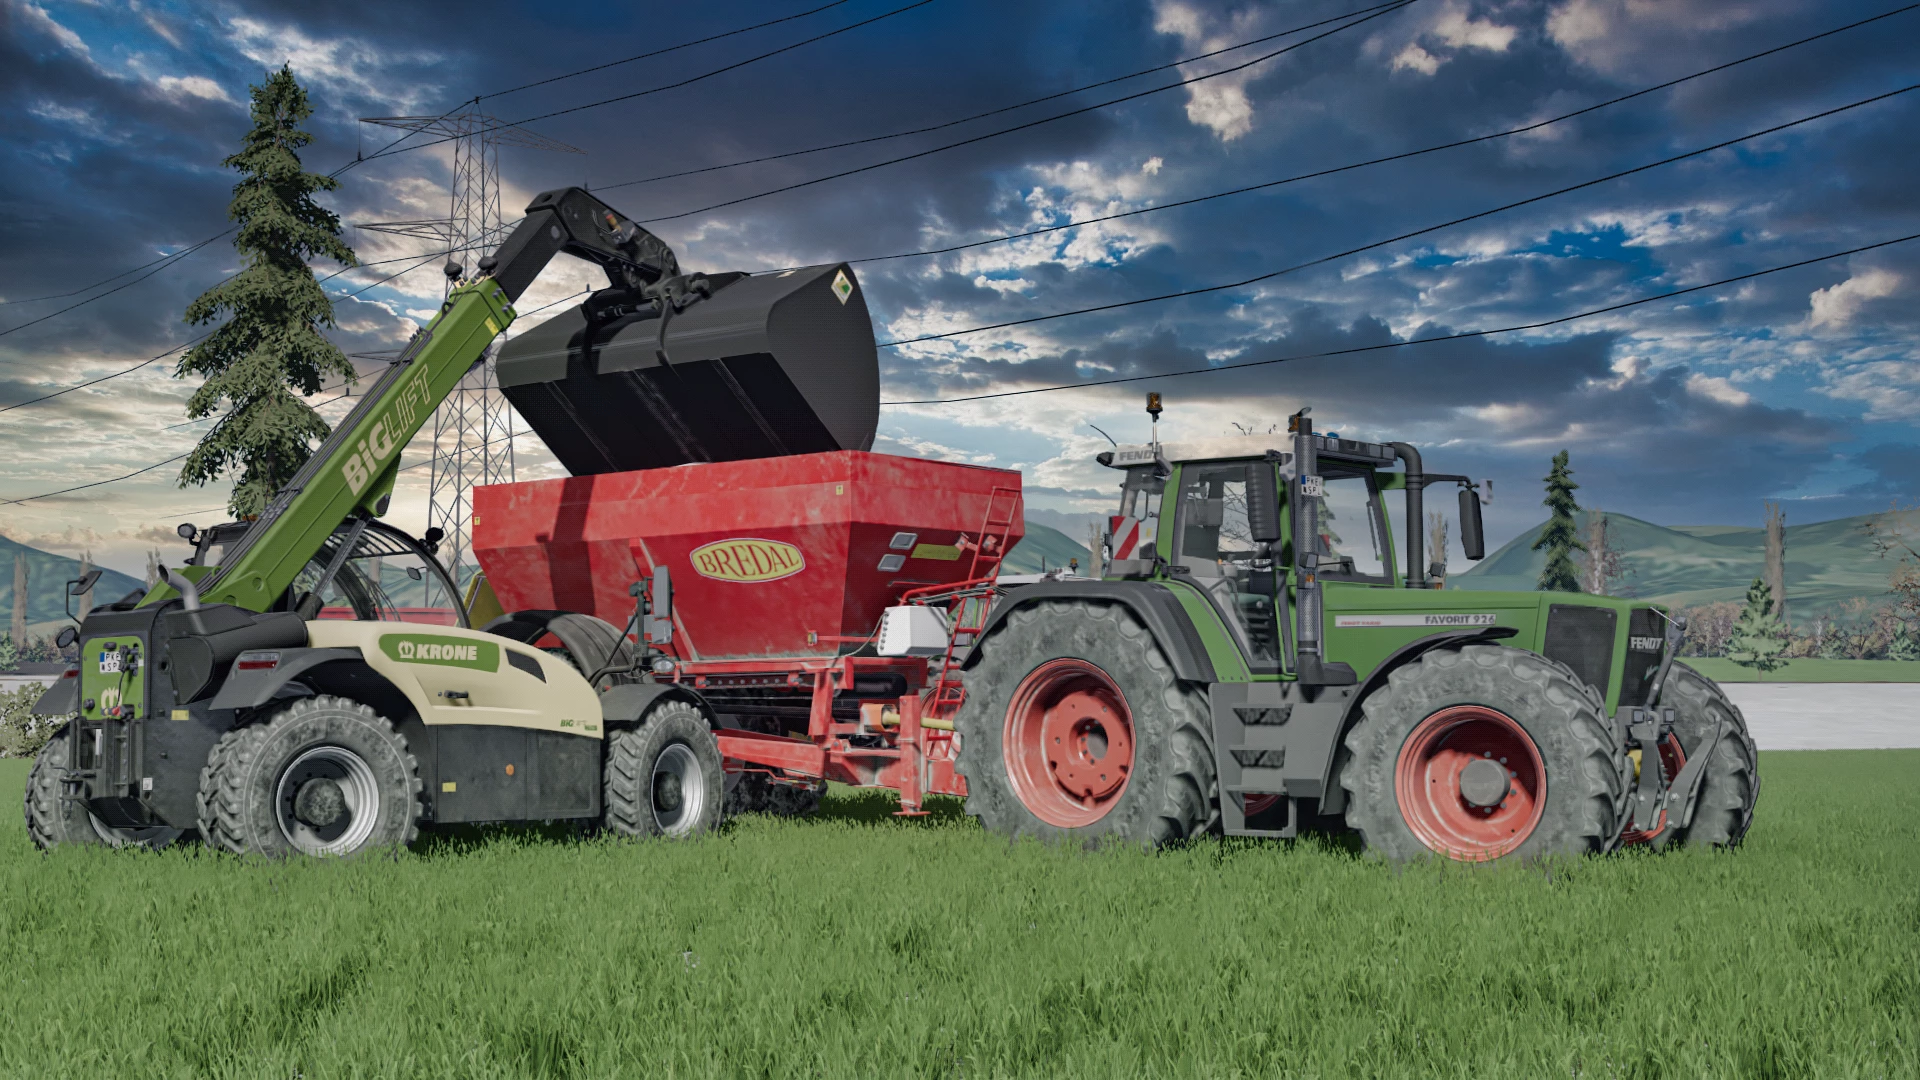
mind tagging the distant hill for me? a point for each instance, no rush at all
(1043, 543)
(1828, 562)
(47, 577)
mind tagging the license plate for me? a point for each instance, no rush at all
(109, 663)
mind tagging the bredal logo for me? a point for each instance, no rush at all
(448, 651)
(747, 559)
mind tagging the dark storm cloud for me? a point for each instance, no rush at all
(102, 168)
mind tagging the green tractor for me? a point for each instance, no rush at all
(1253, 661)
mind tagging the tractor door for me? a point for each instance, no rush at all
(1215, 548)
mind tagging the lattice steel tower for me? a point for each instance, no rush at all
(473, 429)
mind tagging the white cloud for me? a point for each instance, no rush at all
(1221, 103)
(1461, 32)
(342, 67)
(1889, 388)
(1836, 305)
(36, 17)
(180, 89)
(1718, 389)
(1415, 58)
(1002, 285)
(1620, 37)
(1152, 166)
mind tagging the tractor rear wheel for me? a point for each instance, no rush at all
(1724, 807)
(663, 778)
(53, 820)
(1480, 754)
(1075, 726)
(322, 776)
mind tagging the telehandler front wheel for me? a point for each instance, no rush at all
(1483, 753)
(53, 820)
(322, 776)
(663, 778)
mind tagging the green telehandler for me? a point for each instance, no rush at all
(1253, 662)
(269, 696)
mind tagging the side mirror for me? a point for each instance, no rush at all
(1472, 538)
(1263, 504)
(416, 573)
(187, 532)
(83, 584)
(660, 613)
(66, 637)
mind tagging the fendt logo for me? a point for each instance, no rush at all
(449, 651)
(747, 559)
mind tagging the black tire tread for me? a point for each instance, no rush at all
(1731, 787)
(627, 800)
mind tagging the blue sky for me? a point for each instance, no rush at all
(1799, 386)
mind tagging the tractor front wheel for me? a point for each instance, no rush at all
(1480, 754)
(322, 776)
(1724, 807)
(1075, 726)
(663, 778)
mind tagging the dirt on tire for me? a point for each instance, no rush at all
(1170, 795)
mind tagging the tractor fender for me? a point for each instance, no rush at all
(627, 704)
(1155, 605)
(62, 698)
(1413, 650)
(593, 642)
(250, 689)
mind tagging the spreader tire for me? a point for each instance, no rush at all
(1731, 786)
(1423, 767)
(322, 776)
(663, 777)
(53, 821)
(1075, 727)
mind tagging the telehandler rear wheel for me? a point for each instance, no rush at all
(53, 820)
(1075, 726)
(1480, 754)
(663, 778)
(322, 776)
(1724, 807)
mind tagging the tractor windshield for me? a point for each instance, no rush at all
(1350, 527)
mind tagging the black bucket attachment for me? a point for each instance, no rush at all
(765, 367)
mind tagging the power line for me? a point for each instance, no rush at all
(1379, 160)
(1034, 123)
(177, 256)
(991, 112)
(1202, 290)
(661, 52)
(693, 79)
(1419, 341)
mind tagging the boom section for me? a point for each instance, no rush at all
(354, 469)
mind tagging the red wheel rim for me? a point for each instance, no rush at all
(1259, 804)
(1453, 811)
(1672, 757)
(1068, 743)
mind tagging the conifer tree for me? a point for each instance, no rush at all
(1560, 536)
(1758, 638)
(270, 352)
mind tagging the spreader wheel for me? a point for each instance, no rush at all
(1483, 753)
(1074, 725)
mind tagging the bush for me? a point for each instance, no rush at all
(22, 734)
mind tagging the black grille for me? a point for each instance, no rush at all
(1581, 637)
(1646, 638)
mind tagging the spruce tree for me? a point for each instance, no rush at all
(1758, 638)
(270, 352)
(1560, 536)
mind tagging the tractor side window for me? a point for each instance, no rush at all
(1217, 551)
(1132, 532)
(1350, 529)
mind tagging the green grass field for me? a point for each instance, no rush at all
(858, 945)
(1812, 669)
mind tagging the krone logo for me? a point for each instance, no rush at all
(747, 559)
(451, 651)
